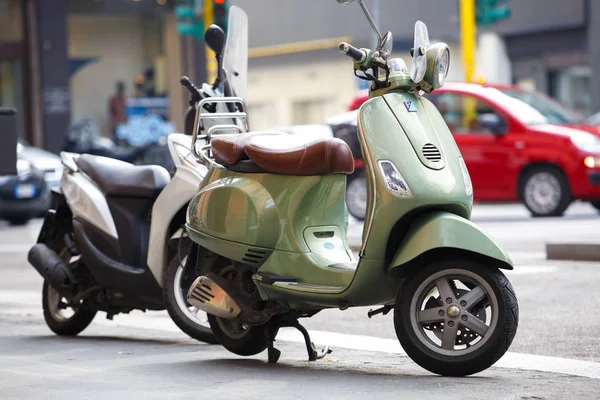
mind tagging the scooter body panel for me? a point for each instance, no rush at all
(87, 202)
(398, 135)
(439, 230)
(300, 220)
(267, 210)
(173, 198)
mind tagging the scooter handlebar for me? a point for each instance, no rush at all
(354, 53)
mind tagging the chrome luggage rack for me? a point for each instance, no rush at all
(204, 154)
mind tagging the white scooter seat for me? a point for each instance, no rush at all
(122, 179)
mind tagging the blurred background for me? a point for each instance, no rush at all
(61, 60)
(102, 76)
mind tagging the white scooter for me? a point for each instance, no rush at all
(113, 240)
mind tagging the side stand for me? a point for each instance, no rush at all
(313, 353)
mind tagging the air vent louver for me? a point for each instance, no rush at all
(254, 256)
(432, 153)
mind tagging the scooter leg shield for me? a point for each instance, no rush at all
(443, 230)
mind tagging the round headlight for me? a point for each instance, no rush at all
(442, 64)
(438, 65)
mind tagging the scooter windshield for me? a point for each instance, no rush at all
(419, 65)
(235, 57)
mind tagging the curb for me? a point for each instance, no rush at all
(573, 251)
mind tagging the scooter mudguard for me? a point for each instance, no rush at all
(439, 230)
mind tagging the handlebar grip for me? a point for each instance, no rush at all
(196, 94)
(186, 83)
(354, 53)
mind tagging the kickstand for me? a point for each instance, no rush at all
(313, 354)
(272, 352)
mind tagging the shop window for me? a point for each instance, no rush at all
(11, 26)
(467, 114)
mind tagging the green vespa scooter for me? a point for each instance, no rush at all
(270, 224)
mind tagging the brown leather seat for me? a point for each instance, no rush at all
(298, 155)
(229, 149)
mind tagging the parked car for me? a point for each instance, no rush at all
(25, 195)
(47, 163)
(521, 146)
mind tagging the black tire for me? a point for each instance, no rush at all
(557, 181)
(72, 326)
(180, 317)
(596, 204)
(491, 346)
(18, 221)
(252, 342)
(355, 189)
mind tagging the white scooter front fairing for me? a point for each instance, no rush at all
(174, 197)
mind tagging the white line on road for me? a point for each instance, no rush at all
(29, 302)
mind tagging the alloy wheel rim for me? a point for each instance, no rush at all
(460, 319)
(194, 314)
(543, 192)
(58, 306)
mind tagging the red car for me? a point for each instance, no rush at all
(521, 146)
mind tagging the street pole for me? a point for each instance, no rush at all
(211, 61)
(468, 34)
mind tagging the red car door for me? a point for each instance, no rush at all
(481, 133)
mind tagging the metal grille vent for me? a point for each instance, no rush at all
(202, 293)
(432, 153)
(254, 256)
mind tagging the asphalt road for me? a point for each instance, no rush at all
(556, 353)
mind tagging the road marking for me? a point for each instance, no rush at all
(28, 302)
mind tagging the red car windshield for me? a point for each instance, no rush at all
(552, 112)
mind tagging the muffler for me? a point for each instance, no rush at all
(51, 267)
(209, 296)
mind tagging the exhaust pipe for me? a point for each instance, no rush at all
(51, 267)
(207, 295)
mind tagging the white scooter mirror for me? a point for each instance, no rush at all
(235, 58)
(421, 45)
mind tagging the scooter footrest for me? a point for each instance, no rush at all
(271, 279)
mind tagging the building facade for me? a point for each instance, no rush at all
(60, 60)
(546, 45)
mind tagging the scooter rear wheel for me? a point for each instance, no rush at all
(456, 318)
(236, 337)
(177, 281)
(62, 318)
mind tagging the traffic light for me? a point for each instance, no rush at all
(220, 13)
(189, 22)
(489, 12)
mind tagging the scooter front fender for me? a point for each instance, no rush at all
(444, 230)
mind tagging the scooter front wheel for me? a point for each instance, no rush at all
(456, 318)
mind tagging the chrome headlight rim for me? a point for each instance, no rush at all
(438, 67)
(441, 65)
